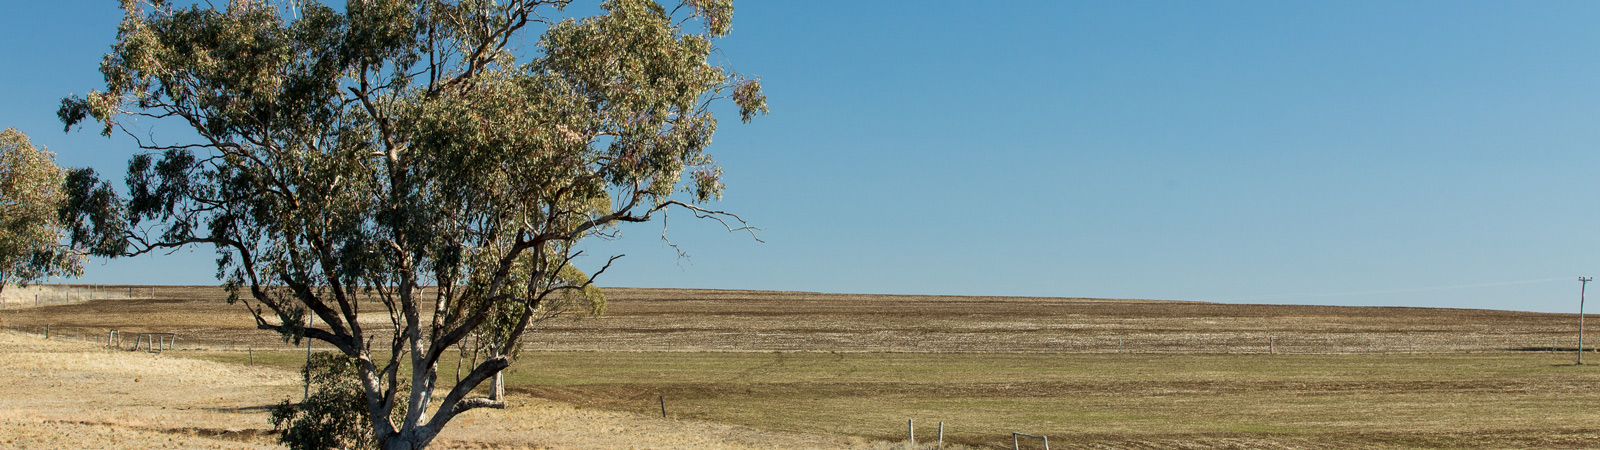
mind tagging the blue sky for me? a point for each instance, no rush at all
(1355, 153)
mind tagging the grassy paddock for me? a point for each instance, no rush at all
(1476, 400)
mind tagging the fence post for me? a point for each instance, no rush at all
(941, 434)
(252, 353)
(1272, 345)
(911, 431)
(1018, 446)
(663, 399)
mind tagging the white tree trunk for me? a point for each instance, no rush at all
(497, 387)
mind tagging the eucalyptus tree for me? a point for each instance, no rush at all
(33, 197)
(343, 161)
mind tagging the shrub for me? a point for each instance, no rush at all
(334, 416)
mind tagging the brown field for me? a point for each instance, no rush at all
(677, 320)
(804, 370)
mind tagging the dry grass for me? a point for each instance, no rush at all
(540, 423)
(54, 294)
(77, 395)
(1494, 400)
(24, 434)
(62, 394)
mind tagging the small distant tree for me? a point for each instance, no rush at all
(32, 197)
(343, 160)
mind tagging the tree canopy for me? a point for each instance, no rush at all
(31, 231)
(415, 159)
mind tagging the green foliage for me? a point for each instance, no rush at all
(31, 196)
(346, 159)
(90, 212)
(333, 416)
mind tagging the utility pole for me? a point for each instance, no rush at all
(1581, 288)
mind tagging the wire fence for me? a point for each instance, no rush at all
(63, 294)
(149, 339)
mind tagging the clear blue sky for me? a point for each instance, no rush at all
(1393, 153)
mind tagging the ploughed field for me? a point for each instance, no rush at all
(678, 320)
(1089, 373)
(710, 320)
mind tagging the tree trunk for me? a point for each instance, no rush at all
(396, 443)
(497, 387)
(414, 439)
